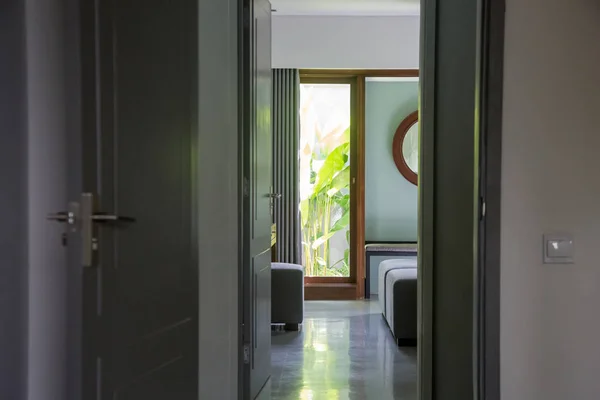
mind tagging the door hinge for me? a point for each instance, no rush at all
(246, 187)
(246, 354)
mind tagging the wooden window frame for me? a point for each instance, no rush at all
(341, 80)
(353, 287)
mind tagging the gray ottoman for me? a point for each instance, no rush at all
(384, 269)
(385, 251)
(401, 305)
(287, 295)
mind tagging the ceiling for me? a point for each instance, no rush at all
(346, 7)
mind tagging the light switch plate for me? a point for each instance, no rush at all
(559, 249)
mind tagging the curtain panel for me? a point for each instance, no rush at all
(286, 138)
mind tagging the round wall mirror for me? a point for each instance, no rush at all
(406, 147)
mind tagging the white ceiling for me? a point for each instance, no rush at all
(346, 7)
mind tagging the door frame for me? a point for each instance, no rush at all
(219, 328)
(324, 288)
(461, 96)
(342, 288)
(218, 226)
(249, 89)
(491, 74)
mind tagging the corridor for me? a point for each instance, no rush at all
(344, 351)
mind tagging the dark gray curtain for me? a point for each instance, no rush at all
(286, 138)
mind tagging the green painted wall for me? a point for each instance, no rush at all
(390, 200)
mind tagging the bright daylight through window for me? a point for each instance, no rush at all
(325, 178)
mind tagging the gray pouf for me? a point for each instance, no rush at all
(287, 295)
(384, 269)
(401, 304)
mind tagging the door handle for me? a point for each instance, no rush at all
(70, 217)
(88, 217)
(67, 217)
(103, 217)
(61, 216)
(274, 195)
(81, 217)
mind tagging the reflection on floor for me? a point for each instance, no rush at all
(344, 351)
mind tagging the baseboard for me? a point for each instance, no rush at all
(330, 291)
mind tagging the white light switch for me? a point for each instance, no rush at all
(558, 249)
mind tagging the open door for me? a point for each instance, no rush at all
(130, 229)
(258, 200)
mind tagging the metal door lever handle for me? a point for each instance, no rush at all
(59, 216)
(62, 216)
(101, 217)
(274, 195)
(81, 217)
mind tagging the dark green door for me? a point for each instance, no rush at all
(140, 296)
(257, 210)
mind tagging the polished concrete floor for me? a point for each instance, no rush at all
(344, 351)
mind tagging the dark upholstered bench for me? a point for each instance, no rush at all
(401, 305)
(387, 266)
(287, 295)
(384, 249)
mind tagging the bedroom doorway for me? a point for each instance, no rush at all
(333, 114)
(347, 123)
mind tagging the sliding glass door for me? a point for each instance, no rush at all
(325, 134)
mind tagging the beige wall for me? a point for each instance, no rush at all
(550, 334)
(310, 41)
(47, 191)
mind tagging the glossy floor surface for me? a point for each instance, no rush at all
(343, 351)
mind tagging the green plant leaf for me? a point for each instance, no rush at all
(334, 272)
(321, 240)
(334, 138)
(321, 261)
(346, 136)
(313, 177)
(334, 162)
(304, 213)
(342, 200)
(343, 222)
(340, 261)
(340, 181)
(325, 210)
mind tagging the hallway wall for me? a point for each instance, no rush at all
(390, 200)
(47, 191)
(219, 331)
(346, 42)
(551, 141)
(13, 202)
